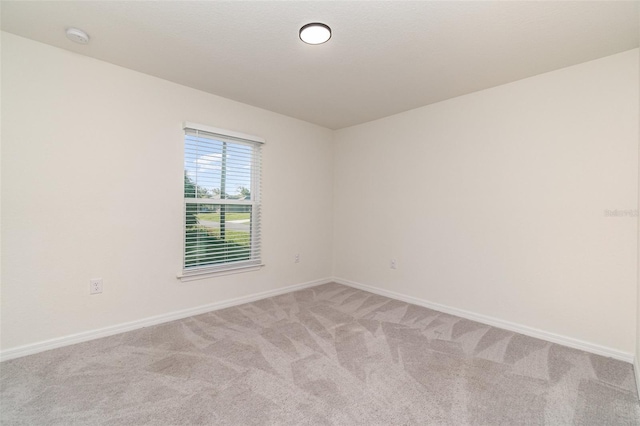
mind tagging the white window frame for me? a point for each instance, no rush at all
(255, 263)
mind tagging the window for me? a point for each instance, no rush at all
(221, 200)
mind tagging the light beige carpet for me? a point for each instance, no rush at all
(329, 355)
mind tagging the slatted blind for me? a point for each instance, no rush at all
(221, 199)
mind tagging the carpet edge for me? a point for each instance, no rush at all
(85, 336)
(499, 323)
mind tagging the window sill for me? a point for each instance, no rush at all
(201, 275)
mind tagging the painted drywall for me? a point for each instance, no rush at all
(492, 202)
(92, 170)
(496, 202)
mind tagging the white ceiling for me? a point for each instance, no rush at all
(384, 57)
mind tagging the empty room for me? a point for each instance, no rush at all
(322, 212)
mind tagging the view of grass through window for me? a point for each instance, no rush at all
(211, 239)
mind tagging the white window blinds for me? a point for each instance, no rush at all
(221, 199)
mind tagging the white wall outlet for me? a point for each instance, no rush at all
(95, 286)
(393, 264)
(296, 258)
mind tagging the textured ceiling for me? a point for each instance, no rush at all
(383, 58)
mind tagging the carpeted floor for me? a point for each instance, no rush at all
(326, 355)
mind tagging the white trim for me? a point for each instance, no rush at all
(229, 201)
(221, 132)
(46, 345)
(59, 342)
(636, 370)
(495, 322)
(203, 273)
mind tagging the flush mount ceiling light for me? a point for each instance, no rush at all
(315, 33)
(77, 35)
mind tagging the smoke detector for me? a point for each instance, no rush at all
(78, 36)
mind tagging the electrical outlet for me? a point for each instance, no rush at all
(95, 286)
(393, 264)
(296, 258)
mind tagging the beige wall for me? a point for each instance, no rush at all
(92, 171)
(494, 202)
(491, 202)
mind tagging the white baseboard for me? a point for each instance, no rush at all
(46, 345)
(636, 370)
(495, 322)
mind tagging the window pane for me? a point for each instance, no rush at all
(217, 169)
(217, 233)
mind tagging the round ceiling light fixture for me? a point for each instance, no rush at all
(315, 33)
(78, 36)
